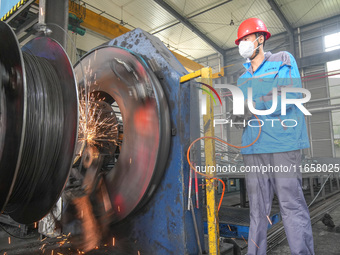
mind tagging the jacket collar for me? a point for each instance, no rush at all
(247, 65)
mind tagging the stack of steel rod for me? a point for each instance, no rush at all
(277, 234)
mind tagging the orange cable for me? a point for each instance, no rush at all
(222, 141)
(223, 185)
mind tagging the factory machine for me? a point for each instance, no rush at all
(109, 135)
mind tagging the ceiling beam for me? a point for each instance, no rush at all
(188, 24)
(318, 59)
(111, 29)
(102, 25)
(281, 17)
(284, 22)
(192, 16)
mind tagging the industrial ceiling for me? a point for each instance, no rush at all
(198, 28)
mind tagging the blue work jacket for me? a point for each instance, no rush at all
(276, 71)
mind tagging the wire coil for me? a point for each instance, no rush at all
(44, 128)
(39, 125)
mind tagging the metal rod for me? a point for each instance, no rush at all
(57, 13)
(196, 229)
(277, 236)
(196, 191)
(299, 42)
(42, 12)
(190, 187)
(209, 149)
(319, 191)
(325, 108)
(323, 99)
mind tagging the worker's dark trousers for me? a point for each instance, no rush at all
(287, 186)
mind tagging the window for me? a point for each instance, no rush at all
(333, 69)
(332, 42)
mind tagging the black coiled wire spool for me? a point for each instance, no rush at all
(42, 86)
(43, 129)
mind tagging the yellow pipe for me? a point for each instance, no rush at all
(221, 72)
(189, 64)
(190, 76)
(209, 149)
(102, 25)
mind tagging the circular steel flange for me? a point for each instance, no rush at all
(13, 109)
(48, 191)
(127, 79)
(3, 116)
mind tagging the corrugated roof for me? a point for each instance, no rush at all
(303, 12)
(213, 22)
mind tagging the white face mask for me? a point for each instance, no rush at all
(246, 48)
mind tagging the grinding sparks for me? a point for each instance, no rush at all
(244, 239)
(113, 241)
(97, 121)
(269, 220)
(9, 240)
(255, 244)
(43, 246)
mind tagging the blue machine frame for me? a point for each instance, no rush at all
(164, 225)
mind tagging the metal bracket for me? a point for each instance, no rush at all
(41, 25)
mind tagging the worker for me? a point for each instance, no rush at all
(276, 154)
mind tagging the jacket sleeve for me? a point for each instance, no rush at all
(287, 76)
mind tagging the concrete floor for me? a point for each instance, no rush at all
(326, 240)
(52, 246)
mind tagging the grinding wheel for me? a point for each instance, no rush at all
(132, 85)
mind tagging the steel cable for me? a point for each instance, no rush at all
(43, 131)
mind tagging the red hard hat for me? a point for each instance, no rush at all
(250, 26)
